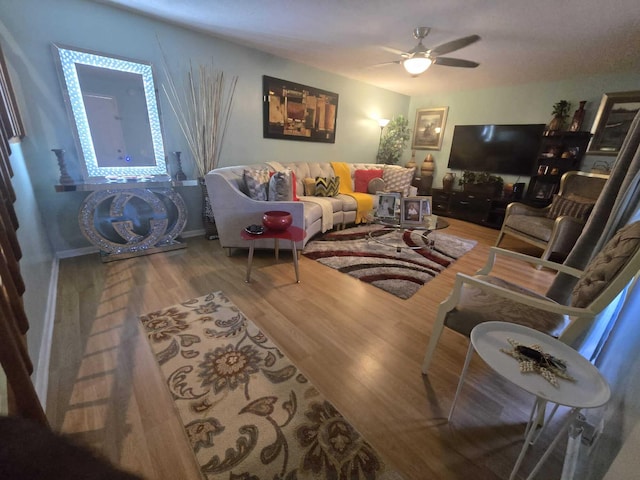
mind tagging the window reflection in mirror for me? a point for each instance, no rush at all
(112, 102)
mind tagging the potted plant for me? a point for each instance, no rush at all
(481, 183)
(393, 141)
(560, 112)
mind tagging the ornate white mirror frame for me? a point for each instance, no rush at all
(68, 60)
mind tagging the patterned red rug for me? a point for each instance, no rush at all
(397, 261)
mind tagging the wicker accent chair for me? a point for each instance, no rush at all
(556, 227)
(483, 297)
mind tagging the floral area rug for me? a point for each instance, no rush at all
(247, 411)
(385, 258)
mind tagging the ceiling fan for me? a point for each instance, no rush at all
(419, 58)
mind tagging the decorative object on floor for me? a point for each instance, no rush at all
(428, 129)
(533, 360)
(65, 178)
(578, 118)
(277, 220)
(613, 121)
(560, 112)
(393, 141)
(202, 109)
(180, 175)
(402, 274)
(247, 411)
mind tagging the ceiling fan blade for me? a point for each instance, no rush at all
(455, 62)
(395, 51)
(454, 45)
(395, 62)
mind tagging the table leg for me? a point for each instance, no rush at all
(463, 374)
(276, 245)
(295, 260)
(530, 434)
(565, 426)
(249, 262)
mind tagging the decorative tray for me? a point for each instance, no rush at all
(254, 229)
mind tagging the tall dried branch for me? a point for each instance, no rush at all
(203, 109)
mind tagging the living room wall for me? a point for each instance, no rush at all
(530, 103)
(29, 27)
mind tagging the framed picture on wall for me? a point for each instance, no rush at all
(613, 120)
(292, 111)
(429, 128)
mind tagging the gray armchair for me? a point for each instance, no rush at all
(556, 227)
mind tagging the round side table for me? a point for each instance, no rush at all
(588, 390)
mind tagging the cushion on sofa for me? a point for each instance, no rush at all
(562, 206)
(398, 179)
(282, 186)
(327, 186)
(362, 178)
(256, 183)
(376, 185)
(309, 186)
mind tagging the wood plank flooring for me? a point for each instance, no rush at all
(360, 346)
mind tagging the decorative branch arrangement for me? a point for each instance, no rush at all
(203, 109)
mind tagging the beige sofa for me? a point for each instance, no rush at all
(233, 209)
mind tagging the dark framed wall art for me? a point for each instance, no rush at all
(298, 112)
(613, 121)
(429, 128)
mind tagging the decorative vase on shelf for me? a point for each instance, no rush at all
(426, 174)
(578, 118)
(180, 175)
(65, 178)
(447, 181)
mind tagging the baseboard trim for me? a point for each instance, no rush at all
(41, 383)
(79, 252)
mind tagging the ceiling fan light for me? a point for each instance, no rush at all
(416, 65)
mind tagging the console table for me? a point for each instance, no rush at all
(472, 207)
(130, 218)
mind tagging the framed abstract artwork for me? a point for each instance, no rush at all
(292, 111)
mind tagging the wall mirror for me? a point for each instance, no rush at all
(113, 105)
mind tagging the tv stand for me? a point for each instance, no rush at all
(477, 208)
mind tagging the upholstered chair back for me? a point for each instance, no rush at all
(582, 186)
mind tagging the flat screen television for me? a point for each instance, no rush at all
(501, 149)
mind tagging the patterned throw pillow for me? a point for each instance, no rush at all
(256, 183)
(280, 188)
(398, 179)
(327, 186)
(361, 178)
(562, 206)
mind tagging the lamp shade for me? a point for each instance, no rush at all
(383, 122)
(417, 64)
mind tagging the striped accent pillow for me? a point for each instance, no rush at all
(327, 186)
(398, 179)
(562, 206)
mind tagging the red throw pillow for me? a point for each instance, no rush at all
(363, 177)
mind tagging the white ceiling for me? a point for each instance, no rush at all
(523, 41)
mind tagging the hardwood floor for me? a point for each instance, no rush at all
(360, 346)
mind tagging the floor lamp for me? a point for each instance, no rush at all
(383, 123)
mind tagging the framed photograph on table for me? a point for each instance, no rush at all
(411, 211)
(613, 121)
(429, 128)
(386, 205)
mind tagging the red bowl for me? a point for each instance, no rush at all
(277, 220)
